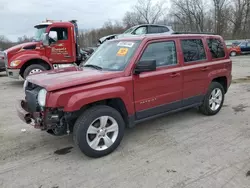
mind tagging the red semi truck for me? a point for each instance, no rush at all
(55, 45)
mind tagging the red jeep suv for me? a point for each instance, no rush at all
(127, 81)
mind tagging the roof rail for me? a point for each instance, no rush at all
(208, 33)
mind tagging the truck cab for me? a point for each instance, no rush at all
(54, 46)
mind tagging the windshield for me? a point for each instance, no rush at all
(113, 55)
(129, 30)
(39, 32)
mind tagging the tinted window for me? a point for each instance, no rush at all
(141, 30)
(193, 50)
(163, 52)
(154, 29)
(216, 48)
(164, 29)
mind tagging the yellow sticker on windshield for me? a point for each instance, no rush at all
(122, 52)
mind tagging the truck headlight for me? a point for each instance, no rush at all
(42, 97)
(15, 63)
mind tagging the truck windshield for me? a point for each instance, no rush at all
(113, 55)
(39, 31)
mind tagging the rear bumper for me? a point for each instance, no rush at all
(13, 73)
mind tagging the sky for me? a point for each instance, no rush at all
(18, 17)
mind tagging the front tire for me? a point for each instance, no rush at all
(98, 131)
(213, 100)
(35, 68)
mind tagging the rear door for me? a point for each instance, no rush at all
(60, 49)
(158, 91)
(195, 71)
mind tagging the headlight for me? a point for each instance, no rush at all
(15, 63)
(42, 97)
(25, 84)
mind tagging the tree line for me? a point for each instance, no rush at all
(229, 18)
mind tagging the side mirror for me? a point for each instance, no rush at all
(145, 66)
(45, 39)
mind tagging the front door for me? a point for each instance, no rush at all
(158, 91)
(60, 49)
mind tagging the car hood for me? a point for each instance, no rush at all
(68, 77)
(20, 46)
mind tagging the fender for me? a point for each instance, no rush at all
(24, 57)
(78, 100)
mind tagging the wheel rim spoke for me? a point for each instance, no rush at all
(213, 93)
(94, 143)
(112, 128)
(92, 130)
(103, 121)
(210, 101)
(218, 101)
(213, 106)
(218, 93)
(107, 141)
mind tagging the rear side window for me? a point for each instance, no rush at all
(193, 50)
(164, 29)
(163, 52)
(154, 29)
(216, 48)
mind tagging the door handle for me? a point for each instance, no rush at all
(175, 74)
(204, 68)
(67, 56)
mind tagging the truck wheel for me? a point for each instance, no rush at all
(98, 131)
(33, 69)
(213, 100)
(233, 53)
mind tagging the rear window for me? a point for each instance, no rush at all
(216, 48)
(193, 50)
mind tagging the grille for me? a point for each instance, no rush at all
(31, 98)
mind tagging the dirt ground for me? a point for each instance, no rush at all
(185, 149)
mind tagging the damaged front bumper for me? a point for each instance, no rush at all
(30, 118)
(49, 119)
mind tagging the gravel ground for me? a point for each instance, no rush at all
(185, 149)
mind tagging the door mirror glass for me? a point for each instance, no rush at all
(145, 66)
(45, 39)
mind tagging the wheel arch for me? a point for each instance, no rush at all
(32, 62)
(223, 81)
(116, 103)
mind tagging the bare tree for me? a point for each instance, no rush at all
(145, 11)
(220, 12)
(190, 13)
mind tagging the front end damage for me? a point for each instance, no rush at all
(52, 120)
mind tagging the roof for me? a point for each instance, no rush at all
(163, 35)
(152, 25)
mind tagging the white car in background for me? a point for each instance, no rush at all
(143, 29)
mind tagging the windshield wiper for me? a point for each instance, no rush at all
(93, 66)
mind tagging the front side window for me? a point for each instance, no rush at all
(113, 55)
(216, 48)
(163, 52)
(141, 31)
(57, 34)
(193, 50)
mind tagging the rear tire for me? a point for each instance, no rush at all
(213, 100)
(36, 68)
(98, 131)
(233, 53)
